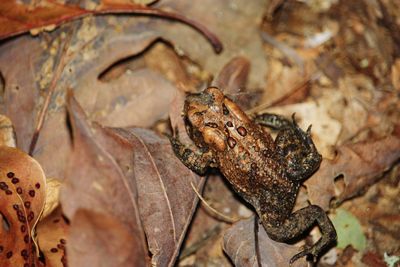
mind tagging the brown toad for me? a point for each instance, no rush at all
(266, 173)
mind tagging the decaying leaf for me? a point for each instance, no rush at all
(239, 244)
(52, 234)
(360, 164)
(133, 175)
(22, 194)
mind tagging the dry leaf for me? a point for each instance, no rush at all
(165, 197)
(95, 182)
(17, 17)
(139, 98)
(360, 164)
(52, 239)
(239, 244)
(145, 168)
(235, 23)
(22, 190)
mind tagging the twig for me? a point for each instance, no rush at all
(200, 243)
(219, 214)
(57, 73)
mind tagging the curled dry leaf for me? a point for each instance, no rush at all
(52, 235)
(22, 192)
(7, 134)
(233, 76)
(134, 162)
(360, 164)
(240, 245)
(232, 79)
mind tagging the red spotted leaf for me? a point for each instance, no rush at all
(22, 194)
(52, 239)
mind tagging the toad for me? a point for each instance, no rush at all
(267, 173)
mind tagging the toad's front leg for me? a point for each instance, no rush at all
(193, 157)
(297, 223)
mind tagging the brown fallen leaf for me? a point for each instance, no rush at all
(232, 79)
(121, 102)
(52, 235)
(239, 244)
(97, 183)
(145, 168)
(75, 56)
(361, 164)
(22, 191)
(237, 24)
(165, 197)
(17, 17)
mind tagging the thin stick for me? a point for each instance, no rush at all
(42, 114)
(219, 214)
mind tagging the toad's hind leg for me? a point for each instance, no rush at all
(295, 147)
(300, 221)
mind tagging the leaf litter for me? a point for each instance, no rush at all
(333, 64)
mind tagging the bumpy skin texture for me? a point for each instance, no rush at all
(267, 173)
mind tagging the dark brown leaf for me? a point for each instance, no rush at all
(239, 244)
(96, 182)
(165, 197)
(148, 171)
(17, 18)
